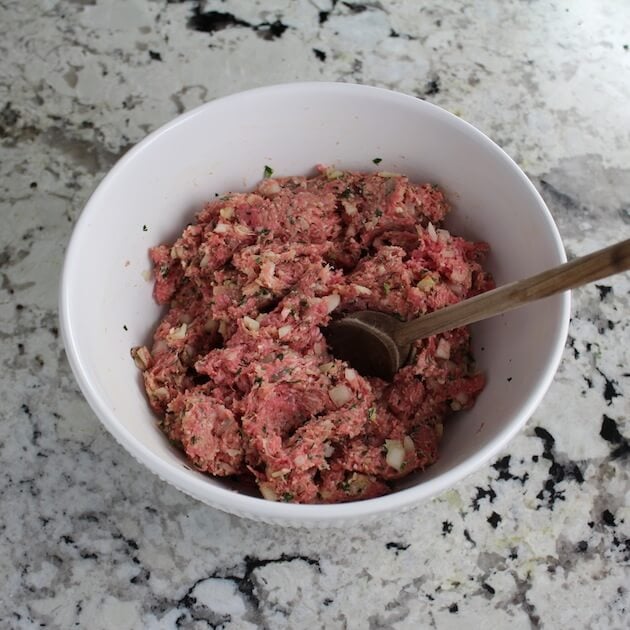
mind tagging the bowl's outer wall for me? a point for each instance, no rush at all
(147, 198)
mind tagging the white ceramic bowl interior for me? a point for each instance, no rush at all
(106, 304)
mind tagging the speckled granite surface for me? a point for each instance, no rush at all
(88, 538)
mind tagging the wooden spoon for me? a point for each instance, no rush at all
(378, 344)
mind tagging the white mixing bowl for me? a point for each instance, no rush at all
(153, 191)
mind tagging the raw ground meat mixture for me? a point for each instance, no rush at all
(239, 371)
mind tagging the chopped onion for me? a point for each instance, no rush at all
(227, 212)
(324, 368)
(160, 393)
(443, 236)
(460, 275)
(387, 174)
(251, 324)
(349, 207)
(358, 482)
(395, 454)
(175, 334)
(332, 302)
(141, 357)
(443, 350)
(267, 271)
(222, 228)
(301, 460)
(340, 395)
(285, 313)
(251, 289)
(267, 491)
(283, 331)
(361, 290)
(329, 449)
(351, 374)
(408, 444)
(243, 230)
(439, 430)
(147, 274)
(222, 327)
(426, 283)
(432, 232)
(461, 398)
(269, 187)
(177, 251)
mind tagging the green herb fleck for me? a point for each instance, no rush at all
(346, 193)
(264, 231)
(164, 269)
(125, 327)
(345, 486)
(280, 357)
(258, 380)
(371, 413)
(268, 172)
(377, 160)
(387, 287)
(193, 439)
(379, 212)
(259, 260)
(287, 496)
(145, 228)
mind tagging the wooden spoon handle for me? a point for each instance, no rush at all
(599, 264)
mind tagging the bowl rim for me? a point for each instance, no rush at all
(259, 508)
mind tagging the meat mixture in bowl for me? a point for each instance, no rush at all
(239, 372)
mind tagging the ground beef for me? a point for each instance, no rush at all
(239, 372)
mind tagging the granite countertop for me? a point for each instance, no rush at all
(540, 538)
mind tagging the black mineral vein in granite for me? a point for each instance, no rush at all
(397, 546)
(494, 519)
(468, 537)
(604, 290)
(558, 472)
(502, 466)
(192, 611)
(610, 433)
(357, 7)
(610, 391)
(560, 198)
(482, 493)
(214, 21)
